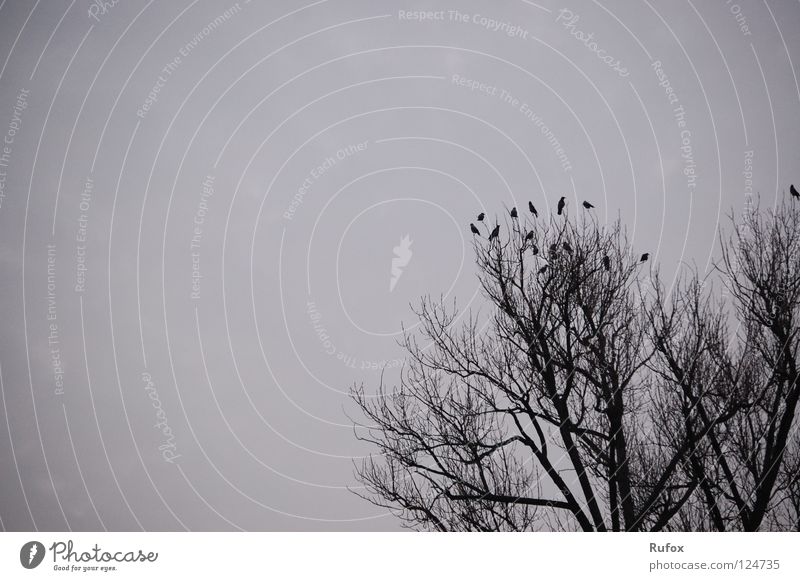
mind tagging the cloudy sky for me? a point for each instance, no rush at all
(214, 217)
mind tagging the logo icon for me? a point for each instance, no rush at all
(402, 256)
(31, 554)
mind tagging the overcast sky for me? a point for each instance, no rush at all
(214, 217)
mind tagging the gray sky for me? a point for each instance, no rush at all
(214, 216)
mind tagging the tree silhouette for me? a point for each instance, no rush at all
(591, 397)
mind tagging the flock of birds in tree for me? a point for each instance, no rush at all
(553, 248)
(560, 210)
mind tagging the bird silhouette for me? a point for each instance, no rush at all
(532, 208)
(474, 229)
(529, 235)
(644, 257)
(534, 249)
(561, 204)
(543, 269)
(793, 191)
(606, 263)
(495, 232)
(514, 212)
(587, 205)
(567, 247)
(481, 216)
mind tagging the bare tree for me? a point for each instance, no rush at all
(761, 269)
(590, 398)
(696, 385)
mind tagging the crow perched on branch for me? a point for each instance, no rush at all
(481, 216)
(514, 212)
(644, 257)
(495, 232)
(793, 191)
(587, 205)
(532, 208)
(561, 204)
(474, 229)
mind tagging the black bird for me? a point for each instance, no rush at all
(495, 232)
(532, 208)
(529, 235)
(543, 269)
(587, 205)
(561, 205)
(644, 257)
(481, 216)
(567, 247)
(534, 249)
(514, 212)
(553, 249)
(606, 263)
(793, 191)
(474, 229)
